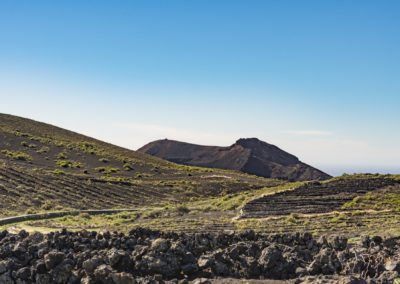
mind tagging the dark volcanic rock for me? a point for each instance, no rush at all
(53, 258)
(159, 257)
(247, 155)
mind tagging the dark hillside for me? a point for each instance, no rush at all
(43, 166)
(247, 155)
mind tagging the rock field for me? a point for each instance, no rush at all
(145, 256)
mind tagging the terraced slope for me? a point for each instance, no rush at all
(313, 198)
(247, 155)
(44, 167)
(372, 211)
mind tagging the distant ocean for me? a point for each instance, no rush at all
(339, 170)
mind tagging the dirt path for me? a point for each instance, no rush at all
(57, 214)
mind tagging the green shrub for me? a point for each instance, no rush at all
(30, 211)
(352, 203)
(103, 160)
(68, 164)
(127, 167)
(369, 196)
(182, 209)
(106, 170)
(85, 215)
(58, 172)
(48, 205)
(87, 147)
(62, 156)
(114, 179)
(17, 155)
(152, 213)
(339, 218)
(292, 218)
(44, 149)
(24, 144)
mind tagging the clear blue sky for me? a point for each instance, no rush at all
(320, 79)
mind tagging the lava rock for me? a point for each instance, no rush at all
(146, 256)
(24, 273)
(160, 245)
(53, 258)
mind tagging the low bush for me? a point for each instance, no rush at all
(44, 149)
(17, 155)
(48, 205)
(24, 144)
(62, 156)
(182, 209)
(58, 172)
(127, 167)
(68, 164)
(106, 170)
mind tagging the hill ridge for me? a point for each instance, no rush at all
(249, 155)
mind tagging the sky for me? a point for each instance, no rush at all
(319, 79)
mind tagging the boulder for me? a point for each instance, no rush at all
(91, 264)
(3, 266)
(160, 245)
(6, 279)
(53, 258)
(119, 260)
(103, 274)
(24, 273)
(122, 278)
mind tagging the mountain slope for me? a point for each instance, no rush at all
(46, 167)
(247, 155)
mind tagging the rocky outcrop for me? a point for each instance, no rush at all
(145, 256)
(247, 155)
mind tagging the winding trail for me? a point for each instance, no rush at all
(57, 214)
